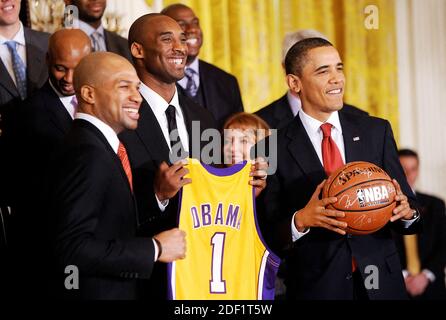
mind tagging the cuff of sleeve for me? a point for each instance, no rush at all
(405, 273)
(296, 235)
(162, 204)
(429, 274)
(408, 223)
(155, 245)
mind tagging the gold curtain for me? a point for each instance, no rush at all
(244, 37)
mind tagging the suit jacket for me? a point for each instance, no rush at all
(221, 92)
(96, 217)
(319, 264)
(117, 44)
(431, 244)
(278, 114)
(36, 47)
(147, 148)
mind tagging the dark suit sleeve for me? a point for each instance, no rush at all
(78, 202)
(437, 261)
(392, 165)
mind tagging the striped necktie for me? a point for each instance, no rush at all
(18, 67)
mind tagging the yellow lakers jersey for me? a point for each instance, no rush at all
(226, 257)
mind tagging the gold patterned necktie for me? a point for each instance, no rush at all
(412, 257)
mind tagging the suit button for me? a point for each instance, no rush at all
(349, 276)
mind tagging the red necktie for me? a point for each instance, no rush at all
(332, 159)
(122, 154)
(330, 153)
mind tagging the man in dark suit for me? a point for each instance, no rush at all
(22, 71)
(280, 112)
(159, 50)
(90, 21)
(91, 187)
(211, 87)
(44, 118)
(423, 256)
(322, 261)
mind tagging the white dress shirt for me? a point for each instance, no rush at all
(112, 139)
(5, 54)
(196, 67)
(159, 107)
(66, 100)
(313, 129)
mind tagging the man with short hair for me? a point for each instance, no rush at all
(323, 262)
(423, 256)
(90, 21)
(211, 87)
(91, 188)
(280, 112)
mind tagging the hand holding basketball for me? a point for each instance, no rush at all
(403, 210)
(315, 214)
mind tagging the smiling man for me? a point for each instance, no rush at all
(91, 190)
(210, 86)
(323, 261)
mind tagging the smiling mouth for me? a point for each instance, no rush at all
(176, 61)
(8, 8)
(132, 112)
(192, 41)
(335, 91)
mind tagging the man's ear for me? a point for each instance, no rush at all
(137, 50)
(87, 94)
(294, 83)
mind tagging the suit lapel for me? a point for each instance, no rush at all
(187, 118)
(206, 86)
(353, 138)
(6, 81)
(58, 114)
(109, 43)
(151, 135)
(302, 150)
(34, 59)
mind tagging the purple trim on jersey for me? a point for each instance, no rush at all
(169, 283)
(222, 172)
(272, 263)
(169, 265)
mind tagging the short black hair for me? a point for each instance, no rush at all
(296, 57)
(407, 153)
(174, 6)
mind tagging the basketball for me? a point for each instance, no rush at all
(365, 193)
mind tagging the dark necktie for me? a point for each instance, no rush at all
(19, 68)
(332, 159)
(122, 154)
(174, 135)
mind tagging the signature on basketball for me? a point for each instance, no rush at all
(362, 220)
(345, 201)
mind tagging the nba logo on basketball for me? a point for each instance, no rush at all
(372, 196)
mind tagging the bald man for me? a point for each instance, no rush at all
(91, 193)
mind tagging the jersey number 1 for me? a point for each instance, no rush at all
(218, 285)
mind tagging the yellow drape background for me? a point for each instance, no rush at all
(244, 37)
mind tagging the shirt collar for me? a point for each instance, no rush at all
(85, 27)
(105, 129)
(313, 125)
(156, 102)
(294, 102)
(19, 37)
(59, 94)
